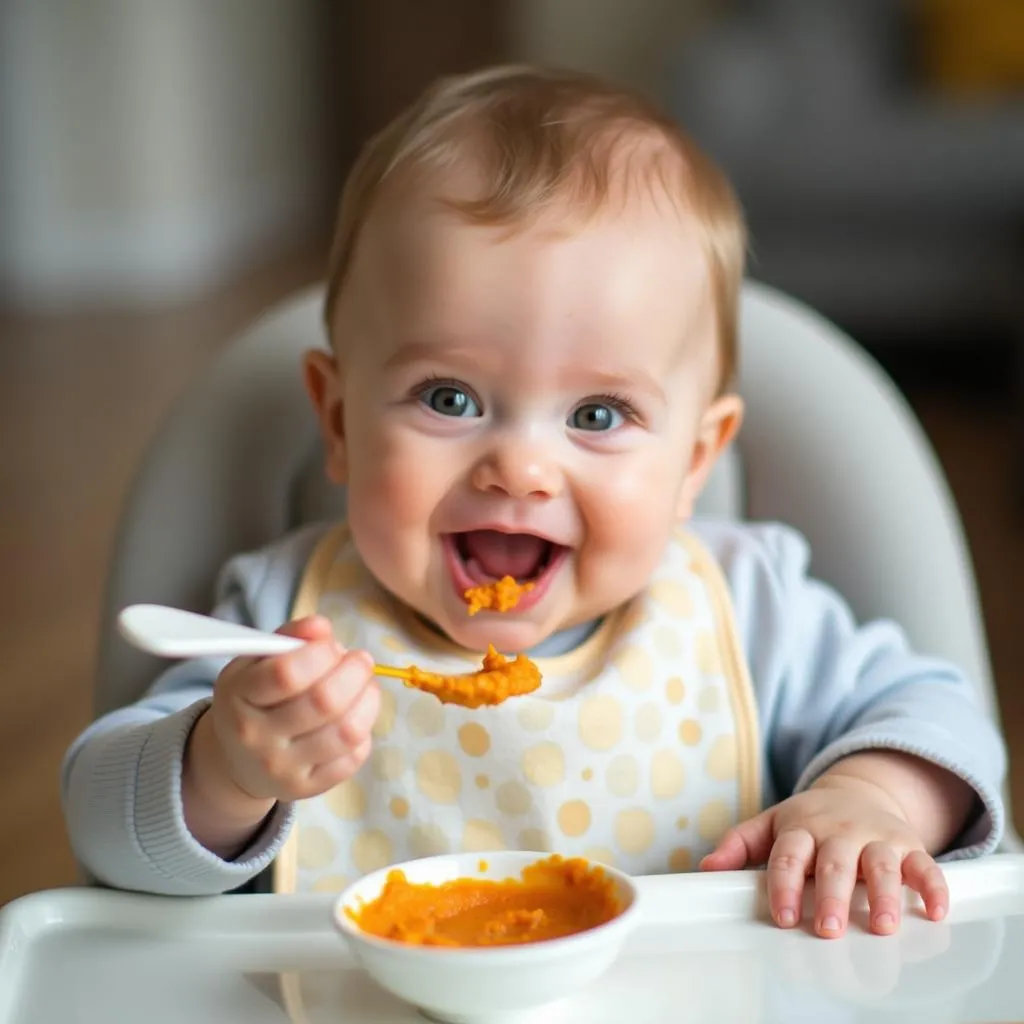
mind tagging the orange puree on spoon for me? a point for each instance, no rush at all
(497, 680)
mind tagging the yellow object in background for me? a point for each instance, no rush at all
(973, 47)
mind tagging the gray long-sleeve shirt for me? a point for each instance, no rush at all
(825, 687)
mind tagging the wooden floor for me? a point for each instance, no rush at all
(79, 398)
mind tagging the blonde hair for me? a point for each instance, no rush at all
(539, 137)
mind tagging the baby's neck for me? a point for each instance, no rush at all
(564, 641)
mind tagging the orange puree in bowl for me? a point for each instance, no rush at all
(497, 680)
(553, 898)
(500, 596)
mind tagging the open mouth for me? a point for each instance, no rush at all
(479, 557)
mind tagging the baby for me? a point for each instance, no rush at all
(532, 312)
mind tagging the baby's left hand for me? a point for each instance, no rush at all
(836, 833)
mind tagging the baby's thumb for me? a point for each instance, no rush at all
(744, 845)
(313, 627)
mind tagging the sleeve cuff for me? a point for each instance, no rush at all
(163, 837)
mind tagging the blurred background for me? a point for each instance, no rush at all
(169, 168)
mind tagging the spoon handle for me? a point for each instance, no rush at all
(392, 673)
(174, 633)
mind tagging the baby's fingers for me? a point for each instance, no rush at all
(330, 699)
(788, 866)
(326, 776)
(285, 676)
(924, 876)
(327, 750)
(883, 880)
(311, 628)
(835, 876)
(351, 727)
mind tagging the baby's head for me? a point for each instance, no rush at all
(532, 309)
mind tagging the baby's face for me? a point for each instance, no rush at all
(535, 404)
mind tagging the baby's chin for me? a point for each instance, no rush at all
(508, 634)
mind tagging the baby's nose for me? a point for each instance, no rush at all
(519, 471)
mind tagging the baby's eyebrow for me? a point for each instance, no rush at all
(618, 380)
(467, 355)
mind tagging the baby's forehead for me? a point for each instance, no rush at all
(629, 282)
(419, 242)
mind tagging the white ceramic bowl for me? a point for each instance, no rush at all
(483, 986)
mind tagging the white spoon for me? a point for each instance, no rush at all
(174, 633)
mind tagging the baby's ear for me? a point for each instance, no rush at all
(718, 426)
(323, 382)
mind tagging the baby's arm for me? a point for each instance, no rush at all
(847, 699)
(859, 729)
(121, 789)
(121, 781)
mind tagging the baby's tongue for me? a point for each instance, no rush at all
(504, 554)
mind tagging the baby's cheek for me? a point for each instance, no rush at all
(391, 478)
(395, 489)
(627, 527)
(381, 506)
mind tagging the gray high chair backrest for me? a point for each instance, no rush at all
(828, 446)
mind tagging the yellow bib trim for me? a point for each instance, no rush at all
(741, 688)
(317, 571)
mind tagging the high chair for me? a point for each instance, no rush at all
(828, 446)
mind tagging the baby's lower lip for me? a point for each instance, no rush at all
(462, 581)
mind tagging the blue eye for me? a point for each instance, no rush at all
(449, 401)
(595, 417)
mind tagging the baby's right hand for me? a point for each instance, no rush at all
(295, 725)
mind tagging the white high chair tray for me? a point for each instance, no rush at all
(703, 952)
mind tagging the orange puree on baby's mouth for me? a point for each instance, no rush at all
(500, 596)
(553, 898)
(497, 680)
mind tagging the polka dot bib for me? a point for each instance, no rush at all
(639, 749)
